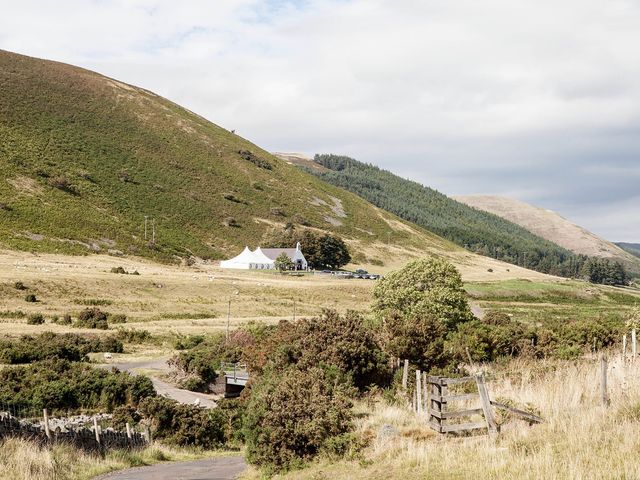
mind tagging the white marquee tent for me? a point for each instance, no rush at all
(264, 259)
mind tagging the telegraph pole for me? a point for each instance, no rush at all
(228, 318)
(153, 226)
(145, 226)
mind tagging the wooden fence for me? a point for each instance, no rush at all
(432, 396)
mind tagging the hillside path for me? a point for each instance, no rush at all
(162, 387)
(220, 468)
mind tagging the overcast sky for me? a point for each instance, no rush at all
(536, 100)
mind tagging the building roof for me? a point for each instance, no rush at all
(274, 253)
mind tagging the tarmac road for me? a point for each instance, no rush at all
(163, 388)
(220, 468)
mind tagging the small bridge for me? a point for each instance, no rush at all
(236, 377)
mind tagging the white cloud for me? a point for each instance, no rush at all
(501, 96)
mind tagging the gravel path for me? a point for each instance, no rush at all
(222, 468)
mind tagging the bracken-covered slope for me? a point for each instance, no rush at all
(84, 158)
(555, 228)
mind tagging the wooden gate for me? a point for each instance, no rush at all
(441, 416)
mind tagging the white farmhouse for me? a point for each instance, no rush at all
(264, 258)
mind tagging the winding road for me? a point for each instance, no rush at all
(162, 387)
(220, 468)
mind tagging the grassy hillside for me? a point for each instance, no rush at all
(632, 248)
(476, 230)
(84, 158)
(553, 227)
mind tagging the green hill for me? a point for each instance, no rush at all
(473, 229)
(84, 158)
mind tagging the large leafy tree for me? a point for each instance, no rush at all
(418, 306)
(320, 250)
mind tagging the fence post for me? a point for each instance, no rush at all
(624, 345)
(425, 394)
(419, 391)
(634, 344)
(128, 433)
(405, 374)
(492, 426)
(95, 428)
(603, 382)
(46, 423)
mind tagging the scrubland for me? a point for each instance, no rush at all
(580, 439)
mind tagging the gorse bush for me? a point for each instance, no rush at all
(135, 336)
(179, 424)
(48, 345)
(35, 319)
(30, 298)
(70, 386)
(117, 318)
(343, 341)
(92, 318)
(293, 414)
(497, 335)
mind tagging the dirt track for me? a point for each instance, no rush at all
(222, 468)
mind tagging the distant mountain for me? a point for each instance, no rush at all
(474, 229)
(553, 227)
(632, 248)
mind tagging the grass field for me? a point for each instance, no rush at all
(164, 299)
(170, 300)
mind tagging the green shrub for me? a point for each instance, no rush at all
(179, 424)
(119, 270)
(117, 318)
(35, 319)
(186, 342)
(417, 307)
(48, 345)
(292, 415)
(92, 318)
(19, 286)
(195, 384)
(125, 414)
(343, 341)
(30, 298)
(62, 386)
(134, 336)
(92, 302)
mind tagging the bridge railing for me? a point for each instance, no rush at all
(235, 369)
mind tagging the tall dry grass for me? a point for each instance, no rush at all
(580, 439)
(25, 460)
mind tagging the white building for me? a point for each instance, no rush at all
(264, 258)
